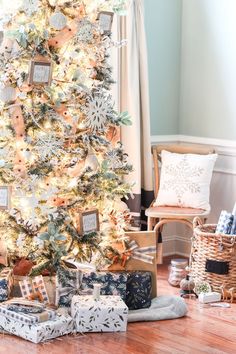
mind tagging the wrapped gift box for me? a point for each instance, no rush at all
(47, 314)
(34, 288)
(40, 332)
(68, 282)
(111, 283)
(49, 281)
(109, 314)
(225, 223)
(6, 283)
(138, 290)
(140, 255)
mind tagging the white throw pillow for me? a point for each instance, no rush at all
(185, 180)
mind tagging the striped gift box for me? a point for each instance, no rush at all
(46, 315)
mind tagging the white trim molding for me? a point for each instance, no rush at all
(226, 149)
(194, 140)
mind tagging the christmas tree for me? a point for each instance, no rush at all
(60, 158)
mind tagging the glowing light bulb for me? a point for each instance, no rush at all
(24, 202)
(73, 183)
(47, 125)
(20, 144)
(81, 126)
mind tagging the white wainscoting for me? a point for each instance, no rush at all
(177, 238)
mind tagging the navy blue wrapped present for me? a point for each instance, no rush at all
(68, 282)
(134, 287)
(6, 283)
(138, 290)
(111, 283)
(233, 228)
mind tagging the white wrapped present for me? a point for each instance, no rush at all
(108, 314)
(40, 332)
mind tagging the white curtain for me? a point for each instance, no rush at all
(134, 97)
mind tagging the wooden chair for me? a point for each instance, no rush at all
(158, 216)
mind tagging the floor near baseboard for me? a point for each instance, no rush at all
(204, 330)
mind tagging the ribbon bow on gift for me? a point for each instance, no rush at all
(72, 286)
(69, 279)
(68, 285)
(136, 252)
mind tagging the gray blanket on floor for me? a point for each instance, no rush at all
(162, 308)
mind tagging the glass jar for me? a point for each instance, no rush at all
(177, 271)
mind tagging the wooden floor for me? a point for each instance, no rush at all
(203, 330)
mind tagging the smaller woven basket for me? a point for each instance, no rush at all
(207, 245)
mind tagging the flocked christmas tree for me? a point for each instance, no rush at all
(58, 157)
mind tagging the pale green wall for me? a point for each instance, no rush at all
(208, 75)
(163, 31)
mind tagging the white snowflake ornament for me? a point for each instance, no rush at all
(85, 31)
(49, 145)
(97, 110)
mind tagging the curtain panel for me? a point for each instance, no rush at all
(134, 98)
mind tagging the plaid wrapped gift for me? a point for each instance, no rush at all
(6, 283)
(34, 289)
(225, 223)
(46, 315)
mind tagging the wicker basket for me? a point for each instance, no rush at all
(206, 245)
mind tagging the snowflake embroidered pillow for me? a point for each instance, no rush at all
(185, 180)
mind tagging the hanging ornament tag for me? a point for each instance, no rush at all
(105, 19)
(40, 71)
(87, 221)
(5, 197)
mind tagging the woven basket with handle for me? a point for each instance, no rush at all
(207, 245)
